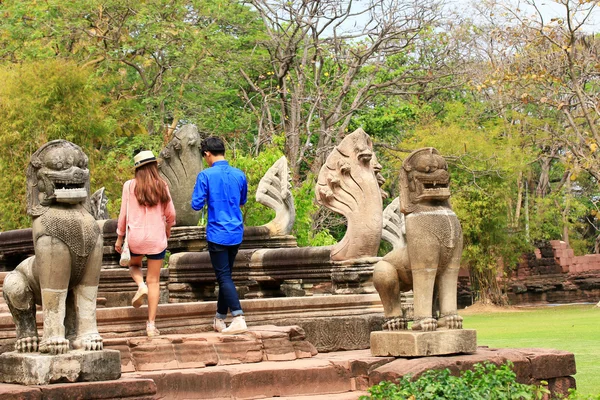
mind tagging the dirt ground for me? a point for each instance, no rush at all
(480, 308)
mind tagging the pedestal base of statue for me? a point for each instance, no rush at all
(420, 344)
(75, 366)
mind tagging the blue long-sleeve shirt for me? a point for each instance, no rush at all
(224, 189)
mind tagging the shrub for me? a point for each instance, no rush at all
(486, 381)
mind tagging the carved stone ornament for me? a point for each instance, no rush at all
(349, 184)
(98, 202)
(180, 164)
(274, 191)
(427, 259)
(63, 275)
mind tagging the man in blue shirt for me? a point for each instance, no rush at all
(224, 189)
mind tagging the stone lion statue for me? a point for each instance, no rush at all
(426, 256)
(63, 275)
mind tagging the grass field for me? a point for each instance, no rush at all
(574, 328)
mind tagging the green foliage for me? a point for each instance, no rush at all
(576, 395)
(255, 168)
(306, 210)
(39, 102)
(485, 381)
(171, 60)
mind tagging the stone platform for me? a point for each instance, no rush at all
(340, 375)
(420, 344)
(200, 350)
(346, 375)
(124, 388)
(331, 323)
(43, 369)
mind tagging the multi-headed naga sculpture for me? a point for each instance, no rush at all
(427, 242)
(63, 275)
(349, 184)
(179, 166)
(274, 191)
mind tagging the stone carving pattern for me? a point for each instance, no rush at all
(63, 274)
(98, 202)
(394, 225)
(349, 184)
(274, 191)
(429, 261)
(179, 166)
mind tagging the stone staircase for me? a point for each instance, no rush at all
(345, 375)
(328, 376)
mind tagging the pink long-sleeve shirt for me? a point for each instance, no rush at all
(147, 225)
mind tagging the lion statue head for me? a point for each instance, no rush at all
(424, 179)
(57, 173)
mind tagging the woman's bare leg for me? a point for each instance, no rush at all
(153, 281)
(135, 269)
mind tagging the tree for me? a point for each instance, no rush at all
(544, 76)
(329, 58)
(39, 102)
(163, 61)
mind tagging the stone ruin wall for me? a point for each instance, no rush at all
(554, 274)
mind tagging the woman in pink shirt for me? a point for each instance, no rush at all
(148, 212)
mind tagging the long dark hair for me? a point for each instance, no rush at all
(150, 189)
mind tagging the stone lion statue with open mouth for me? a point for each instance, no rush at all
(427, 256)
(63, 275)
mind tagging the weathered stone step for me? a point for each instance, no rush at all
(131, 389)
(307, 377)
(347, 374)
(331, 323)
(167, 352)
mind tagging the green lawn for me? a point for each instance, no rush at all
(574, 328)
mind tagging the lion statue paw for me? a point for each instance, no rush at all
(27, 345)
(424, 324)
(90, 342)
(453, 321)
(54, 345)
(395, 324)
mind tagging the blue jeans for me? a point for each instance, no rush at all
(222, 258)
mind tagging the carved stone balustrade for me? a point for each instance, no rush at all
(259, 273)
(15, 246)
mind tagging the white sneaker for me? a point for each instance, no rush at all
(138, 298)
(219, 324)
(151, 330)
(238, 325)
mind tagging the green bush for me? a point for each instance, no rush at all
(486, 381)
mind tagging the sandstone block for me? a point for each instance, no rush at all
(419, 344)
(561, 385)
(42, 369)
(550, 363)
(278, 349)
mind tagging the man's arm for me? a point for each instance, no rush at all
(200, 192)
(244, 192)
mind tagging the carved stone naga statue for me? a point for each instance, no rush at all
(179, 165)
(349, 184)
(274, 191)
(427, 239)
(63, 274)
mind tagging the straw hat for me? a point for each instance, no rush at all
(143, 157)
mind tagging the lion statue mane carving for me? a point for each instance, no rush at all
(427, 239)
(63, 274)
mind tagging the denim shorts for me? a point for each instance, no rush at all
(159, 256)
